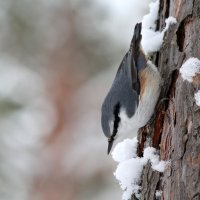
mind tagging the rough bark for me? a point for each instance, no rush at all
(175, 131)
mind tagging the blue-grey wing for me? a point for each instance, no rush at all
(125, 89)
(134, 61)
(127, 78)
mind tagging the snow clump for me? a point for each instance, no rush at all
(129, 169)
(190, 68)
(152, 39)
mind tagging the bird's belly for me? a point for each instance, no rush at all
(149, 93)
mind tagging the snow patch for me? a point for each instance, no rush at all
(128, 174)
(169, 21)
(130, 167)
(149, 20)
(125, 150)
(197, 98)
(158, 194)
(190, 68)
(150, 155)
(151, 39)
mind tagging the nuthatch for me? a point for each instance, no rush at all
(131, 100)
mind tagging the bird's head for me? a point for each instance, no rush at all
(110, 121)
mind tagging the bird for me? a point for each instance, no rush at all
(133, 95)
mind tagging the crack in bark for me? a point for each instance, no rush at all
(193, 3)
(181, 32)
(158, 126)
(141, 141)
(196, 196)
(171, 91)
(167, 9)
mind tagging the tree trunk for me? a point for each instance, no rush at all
(175, 131)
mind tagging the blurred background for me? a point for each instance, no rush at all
(57, 62)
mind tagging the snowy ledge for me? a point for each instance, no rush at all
(152, 39)
(130, 167)
(189, 70)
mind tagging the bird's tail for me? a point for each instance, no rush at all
(135, 43)
(136, 49)
(137, 32)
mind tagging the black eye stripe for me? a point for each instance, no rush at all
(116, 120)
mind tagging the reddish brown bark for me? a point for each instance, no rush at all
(176, 128)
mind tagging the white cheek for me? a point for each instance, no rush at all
(111, 125)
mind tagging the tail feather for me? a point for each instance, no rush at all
(135, 43)
(136, 49)
(137, 32)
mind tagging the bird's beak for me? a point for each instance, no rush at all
(110, 143)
